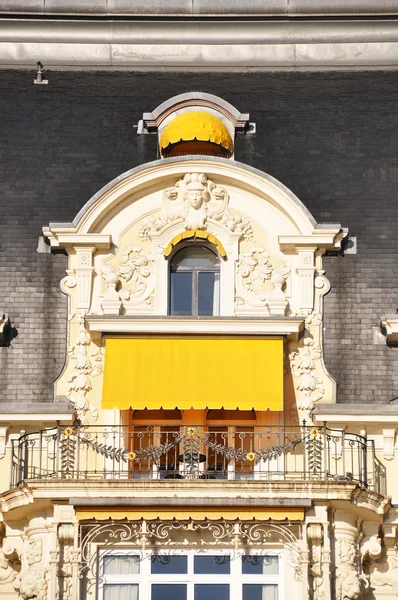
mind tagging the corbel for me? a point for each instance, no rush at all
(84, 274)
(388, 443)
(3, 439)
(306, 275)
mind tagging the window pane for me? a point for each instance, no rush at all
(253, 591)
(260, 565)
(194, 256)
(206, 294)
(121, 592)
(163, 564)
(212, 565)
(172, 591)
(211, 591)
(121, 565)
(181, 294)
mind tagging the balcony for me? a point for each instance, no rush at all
(194, 453)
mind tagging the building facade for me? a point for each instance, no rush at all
(199, 362)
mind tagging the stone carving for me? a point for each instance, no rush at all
(315, 538)
(193, 199)
(10, 563)
(35, 551)
(348, 585)
(254, 271)
(233, 535)
(309, 382)
(384, 573)
(349, 581)
(239, 224)
(79, 383)
(32, 583)
(137, 270)
(66, 561)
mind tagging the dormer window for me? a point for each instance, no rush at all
(194, 282)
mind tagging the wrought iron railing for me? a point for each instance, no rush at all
(193, 452)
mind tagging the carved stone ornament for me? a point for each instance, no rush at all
(32, 583)
(308, 381)
(349, 581)
(236, 536)
(79, 383)
(195, 200)
(256, 278)
(10, 563)
(384, 574)
(315, 539)
(34, 553)
(137, 271)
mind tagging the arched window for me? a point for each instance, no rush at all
(194, 282)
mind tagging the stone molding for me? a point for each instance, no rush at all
(240, 44)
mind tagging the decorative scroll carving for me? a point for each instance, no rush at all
(236, 536)
(79, 383)
(253, 274)
(309, 382)
(191, 441)
(137, 270)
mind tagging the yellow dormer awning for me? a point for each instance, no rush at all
(193, 372)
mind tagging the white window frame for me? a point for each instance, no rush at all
(235, 579)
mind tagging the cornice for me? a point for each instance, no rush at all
(277, 8)
(317, 491)
(125, 324)
(168, 42)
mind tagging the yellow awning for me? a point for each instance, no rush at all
(228, 514)
(193, 372)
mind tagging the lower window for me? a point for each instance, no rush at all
(125, 575)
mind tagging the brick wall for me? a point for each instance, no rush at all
(330, 137)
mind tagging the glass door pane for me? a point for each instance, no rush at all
(211, 591)
(258, 591)
(121, 591)
(169, 591)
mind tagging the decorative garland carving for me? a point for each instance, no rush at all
(79, 383)
(303, 368)
(191, 442)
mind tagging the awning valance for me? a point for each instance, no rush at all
(193, 372)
